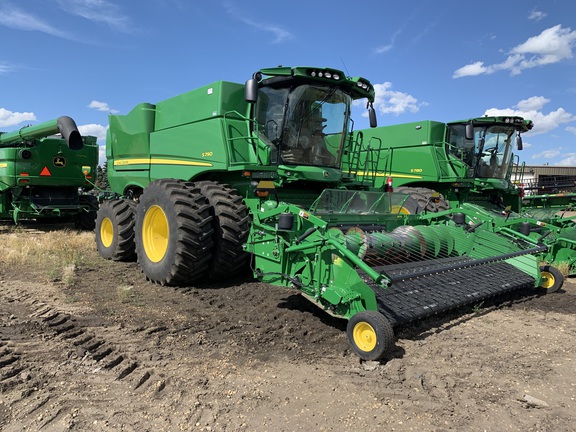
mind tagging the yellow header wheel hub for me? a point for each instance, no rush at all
(107, 232)
(155, 233)
(548, 280)
(365, 336)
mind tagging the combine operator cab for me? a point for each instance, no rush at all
(303, 114)
(486, 144)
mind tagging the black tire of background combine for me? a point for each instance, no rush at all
(86, 220)
(190, 244)
(121, 214)
(231, 227)
(422, 197)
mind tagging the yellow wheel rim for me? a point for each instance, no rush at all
(155, 233)
(364, 336)
(399, 210)
(107, 232)
(548, 281)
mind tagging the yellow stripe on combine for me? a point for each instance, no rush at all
(409, 176)
(159, 161)
(3, 165)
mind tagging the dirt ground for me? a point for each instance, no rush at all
(113, 352)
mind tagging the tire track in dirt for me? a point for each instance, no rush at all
(40, 344)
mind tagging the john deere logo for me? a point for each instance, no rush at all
(59, 161)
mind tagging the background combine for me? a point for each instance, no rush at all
(229, 175)
(468, 165)
(45, 176)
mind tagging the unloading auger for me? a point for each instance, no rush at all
(355, 254)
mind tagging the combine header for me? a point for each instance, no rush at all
(231, 174)
(355, 255)
(41, 173)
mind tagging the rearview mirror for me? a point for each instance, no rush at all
(469, 131)
(372, 116)
(519, 142)
(251, 91)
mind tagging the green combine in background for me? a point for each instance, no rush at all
(44, 176)
(466, 165)
(233, 176)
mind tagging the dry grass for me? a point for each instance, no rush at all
(58, 253)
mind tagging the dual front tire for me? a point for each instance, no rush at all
(179, 232)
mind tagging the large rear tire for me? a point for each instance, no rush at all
(115, 230)
(424, 198)
(231, 225)
(173, 232)
(370, 335)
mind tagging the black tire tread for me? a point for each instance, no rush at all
(190, 257)
(231, 227)
(422, 196)
(384, 331)
(558, 279)
(121, 212)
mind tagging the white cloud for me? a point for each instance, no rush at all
(394, 102)
(96, 130)
(531, 109)
(101, 106)
(571, 129)
(553, 45)
(6, 68)
(10, 118)
(537, 15)
(473, 69)
(385, 48)
(99, 11)
(547, 154)
(279, 34)
(15, 18)
(534, 103)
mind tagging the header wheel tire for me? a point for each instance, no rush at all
(370, 335)
(553, 279)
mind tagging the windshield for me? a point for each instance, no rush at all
(488, 155)
(306, 125)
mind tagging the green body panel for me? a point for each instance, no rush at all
(41, 176)
(47, 153)
(412, 153)
(188, 136)
(423, 154)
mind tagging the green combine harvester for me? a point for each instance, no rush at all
(44, 176)
(232, 175)
(466, 165)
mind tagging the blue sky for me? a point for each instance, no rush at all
(441, 60)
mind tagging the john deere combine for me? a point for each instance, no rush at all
(43, 175)
(228, 171)
(468, 165)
